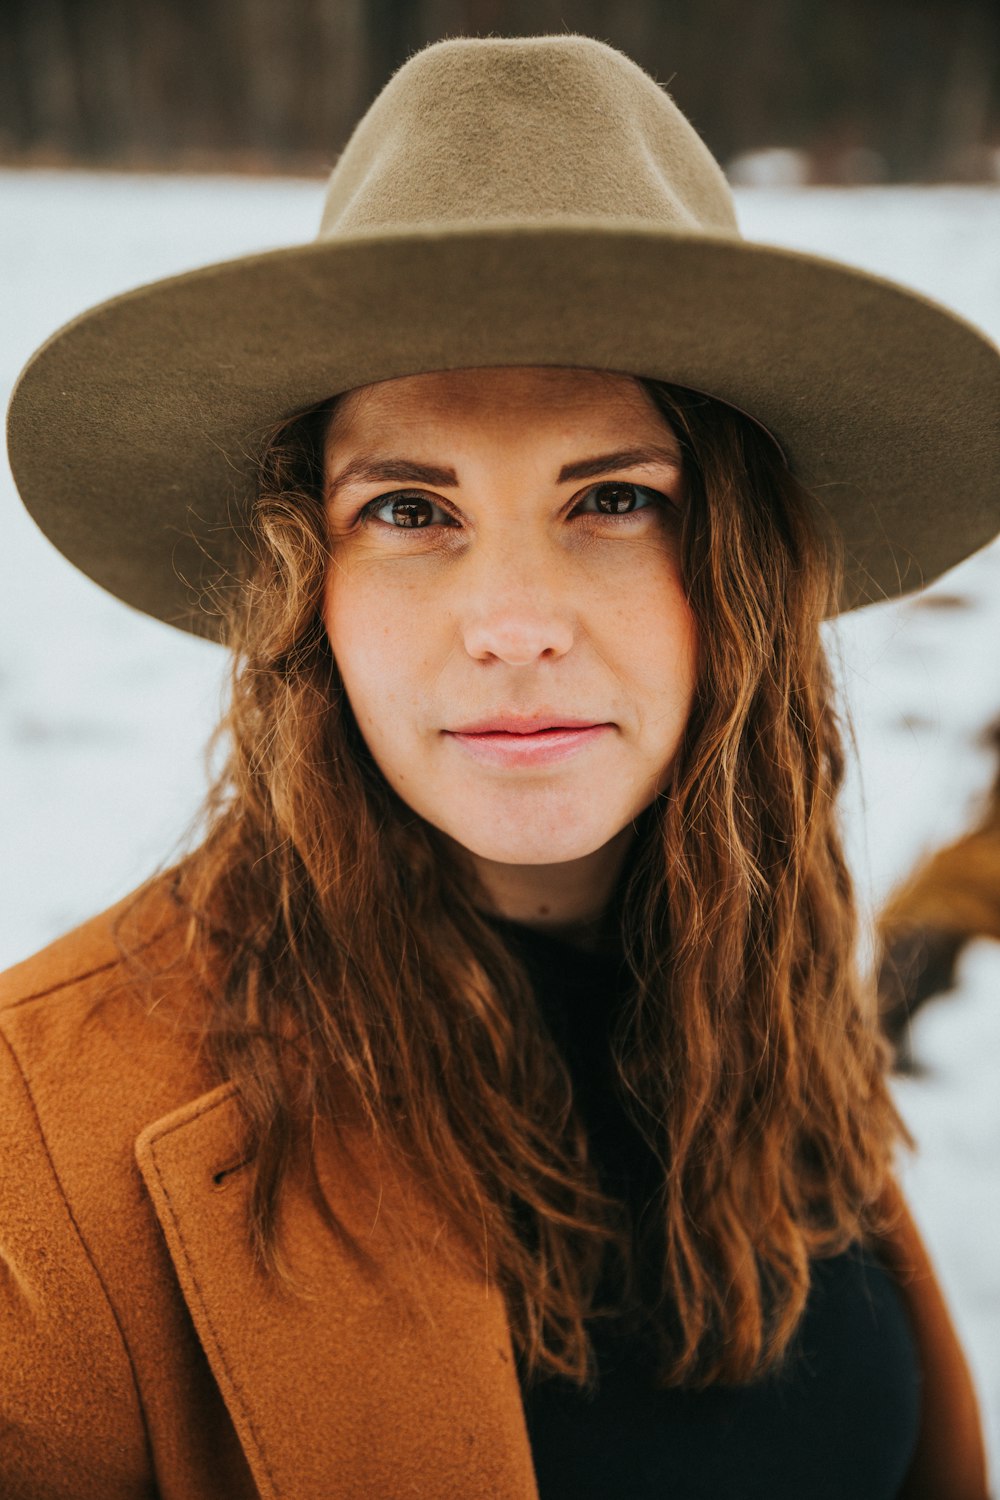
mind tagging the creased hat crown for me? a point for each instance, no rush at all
(520, 131)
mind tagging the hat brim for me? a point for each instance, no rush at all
(131, 429)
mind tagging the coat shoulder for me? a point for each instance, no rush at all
(103, 1026)
(98, 947)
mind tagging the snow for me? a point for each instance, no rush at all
(104, 714)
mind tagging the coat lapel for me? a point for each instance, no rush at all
(405, 1387)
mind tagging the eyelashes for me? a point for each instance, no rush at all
(412, 510)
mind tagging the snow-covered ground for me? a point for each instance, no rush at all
(104, 713)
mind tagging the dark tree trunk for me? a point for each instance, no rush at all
(913, 85)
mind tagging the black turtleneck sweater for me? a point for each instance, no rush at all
(837, 1422)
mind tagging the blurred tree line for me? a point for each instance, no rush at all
(869, 90)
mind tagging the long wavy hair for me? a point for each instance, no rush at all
(352, 969)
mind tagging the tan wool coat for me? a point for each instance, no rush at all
(142, 1354)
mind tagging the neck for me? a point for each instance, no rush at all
(571, 900)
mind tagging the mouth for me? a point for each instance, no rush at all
(525, 724)
(512, 742)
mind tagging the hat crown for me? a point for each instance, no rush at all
(521, 131)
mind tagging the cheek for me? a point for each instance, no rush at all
(358, 640)
(658, 637)
(377, 642)
(678, 636)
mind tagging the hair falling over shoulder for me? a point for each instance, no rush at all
(355, 976)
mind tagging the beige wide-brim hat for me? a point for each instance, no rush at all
(522, 201)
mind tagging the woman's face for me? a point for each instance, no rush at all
(505, 605)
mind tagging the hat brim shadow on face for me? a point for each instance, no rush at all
(131, 430)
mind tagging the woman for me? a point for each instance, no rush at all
(489, 1104)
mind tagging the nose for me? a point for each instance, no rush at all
(517, 614)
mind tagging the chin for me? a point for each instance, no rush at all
(508, 846)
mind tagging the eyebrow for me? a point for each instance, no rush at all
(375, 469)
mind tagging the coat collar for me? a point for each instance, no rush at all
(361, 1388)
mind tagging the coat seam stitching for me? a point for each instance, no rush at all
(64, 984)
(119, 961)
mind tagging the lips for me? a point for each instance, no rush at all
(521, 724)
(519, 742)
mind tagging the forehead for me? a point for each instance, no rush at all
(542, 398)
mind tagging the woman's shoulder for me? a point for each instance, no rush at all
(128, 965)
(98, 1031)
(98, 948)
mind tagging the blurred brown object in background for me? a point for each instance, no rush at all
(950, 899)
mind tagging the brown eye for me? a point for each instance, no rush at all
(619, 499)
(615, 499)
(406, 512)
(415, 512)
